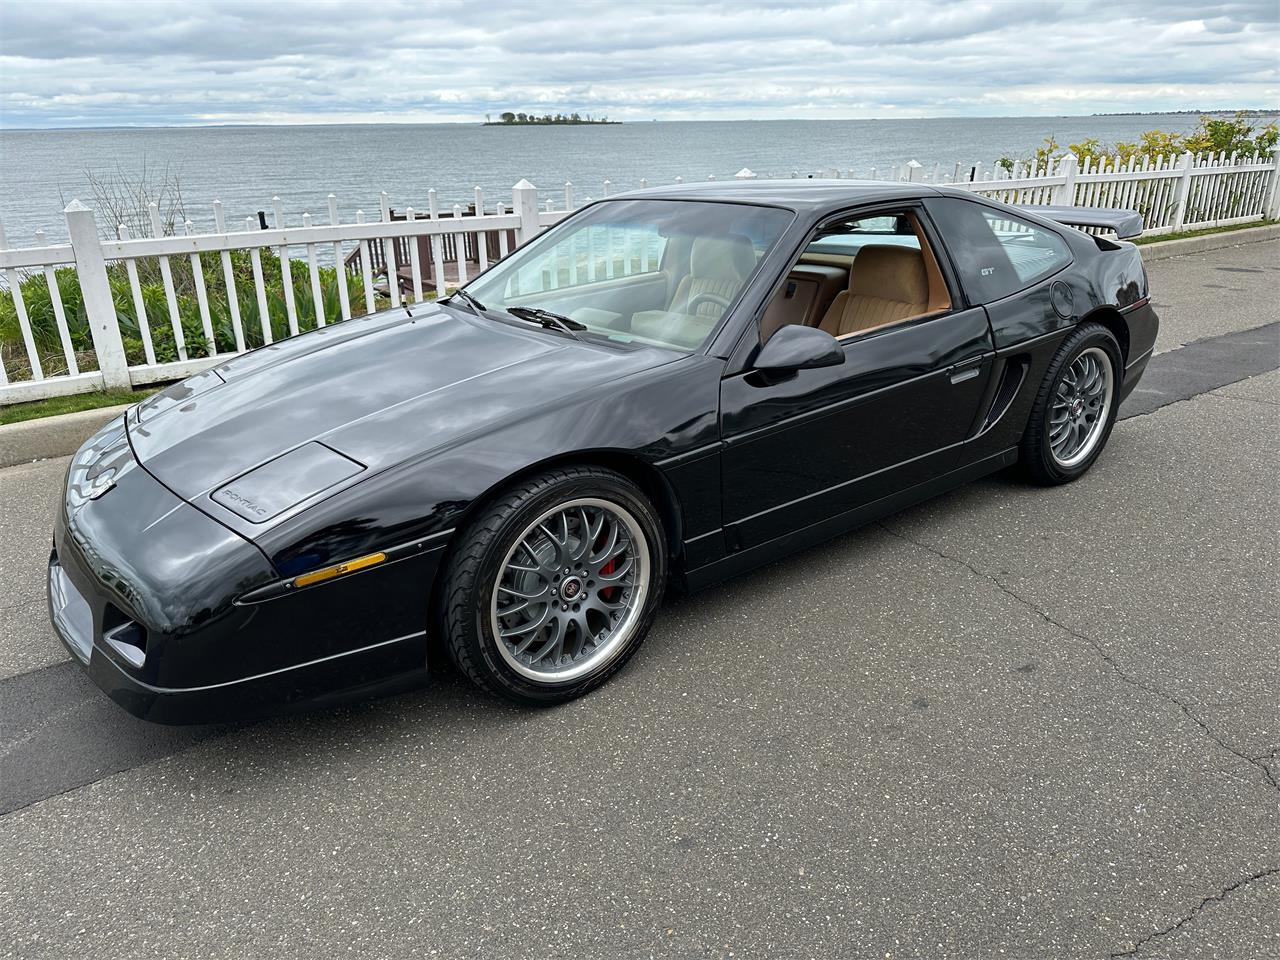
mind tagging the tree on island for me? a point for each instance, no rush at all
(508, 117)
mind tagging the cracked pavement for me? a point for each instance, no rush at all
(1010, 722)
(1101, 651)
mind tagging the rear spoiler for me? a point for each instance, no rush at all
(1123, 223)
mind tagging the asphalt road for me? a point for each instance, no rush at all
(1011, 722)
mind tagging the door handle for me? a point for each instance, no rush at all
(965, 371)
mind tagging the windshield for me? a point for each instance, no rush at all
(656, 272)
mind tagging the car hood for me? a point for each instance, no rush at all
(378, 390)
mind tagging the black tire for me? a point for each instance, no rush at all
(1036, 457)
(482, 549)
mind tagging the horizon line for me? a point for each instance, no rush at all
(465, 123)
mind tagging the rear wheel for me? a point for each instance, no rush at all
(555, 585)
(1075, 407)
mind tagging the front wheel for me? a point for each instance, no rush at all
(554, 586)
(1075, 407)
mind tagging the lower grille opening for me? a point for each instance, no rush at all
(125, 636)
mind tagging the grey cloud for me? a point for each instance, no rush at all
(111, 62)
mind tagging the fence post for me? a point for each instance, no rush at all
(1182, 192)
(1066, 191)
(100, 310)
(524, 203)
(1273, 190)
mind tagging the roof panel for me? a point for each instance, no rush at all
(796, 194)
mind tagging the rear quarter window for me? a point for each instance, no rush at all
(996, 254)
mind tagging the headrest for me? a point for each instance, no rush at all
(722, 258)
(890, 273)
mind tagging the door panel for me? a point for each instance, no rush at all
(823, 441)
(1009, 265)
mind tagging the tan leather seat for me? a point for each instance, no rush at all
(886, 285)
(717, 265)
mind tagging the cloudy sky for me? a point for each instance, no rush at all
(141, 62)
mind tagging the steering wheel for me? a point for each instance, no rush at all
(706, 297)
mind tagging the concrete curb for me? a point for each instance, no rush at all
(62, 435)
(50, 437)
(1164, 249)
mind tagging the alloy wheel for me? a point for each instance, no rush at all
(571, 590)
(1080, 407)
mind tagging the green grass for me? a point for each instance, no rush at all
(17, 412)
(1187, 234)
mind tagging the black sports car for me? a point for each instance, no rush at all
(669, 386)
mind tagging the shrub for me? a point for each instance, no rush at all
(1238, 134)
(48, 343)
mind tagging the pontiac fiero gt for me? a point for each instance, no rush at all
(667, 387)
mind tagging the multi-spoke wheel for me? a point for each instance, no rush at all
(555, 585)
(1074, 408)
(571, 589)
(1078, 411)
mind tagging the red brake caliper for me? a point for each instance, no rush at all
(607, 593)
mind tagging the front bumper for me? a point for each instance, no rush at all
(383, 667)
(144, 592)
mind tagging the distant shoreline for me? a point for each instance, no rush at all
(1190, 113)
(550, 123)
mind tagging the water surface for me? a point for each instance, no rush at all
(245, 167)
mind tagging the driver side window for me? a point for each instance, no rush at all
(859, 275)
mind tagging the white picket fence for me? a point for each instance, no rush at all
(109, 367)
(1172, 194)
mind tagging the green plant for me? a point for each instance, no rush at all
(1239, 134)
(156, 308)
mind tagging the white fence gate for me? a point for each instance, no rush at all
(1172, 195)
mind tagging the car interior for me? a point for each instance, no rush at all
(718, 269)
(859, 276)
(672, 296)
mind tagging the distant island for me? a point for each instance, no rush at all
(510, 119)
(1203, 113)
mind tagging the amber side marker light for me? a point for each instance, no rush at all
(328, 573)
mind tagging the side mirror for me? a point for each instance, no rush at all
(797, 347)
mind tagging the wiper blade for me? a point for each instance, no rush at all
(476, 306)
(548, 319)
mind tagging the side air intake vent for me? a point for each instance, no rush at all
(1015, 369)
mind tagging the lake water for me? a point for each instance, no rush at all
(245, 166)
